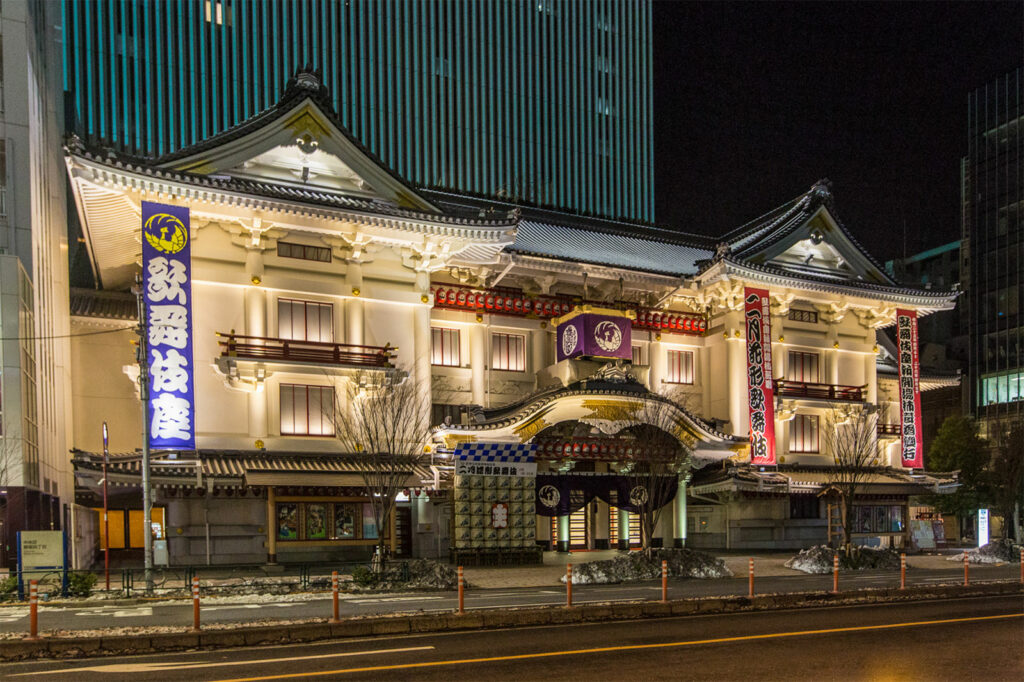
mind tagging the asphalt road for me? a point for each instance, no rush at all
(69, 617)
(954, 639)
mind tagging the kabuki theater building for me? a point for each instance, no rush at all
(584, 373)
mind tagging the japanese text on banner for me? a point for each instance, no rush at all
(760, 391)
(911, 448)
(167, 291)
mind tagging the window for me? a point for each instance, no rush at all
(804, 507)
(305, 320)
(325, 521)
(443, 413)
(508, 352)
(803, 316)
(680, 367)
(639, 355)
(307, 410)
(802, 367)
(445, 347)
(803, 433)
(321, 254)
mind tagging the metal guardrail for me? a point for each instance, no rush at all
(804, 389)
(287, 350)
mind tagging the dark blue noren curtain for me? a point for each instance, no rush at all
(562, 494)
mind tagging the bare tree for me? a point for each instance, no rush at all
(850, 434)
(661, 454)
(383, 422)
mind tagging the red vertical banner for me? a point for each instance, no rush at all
(911, 449)
(760, 389)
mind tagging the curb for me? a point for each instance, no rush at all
(119, 645)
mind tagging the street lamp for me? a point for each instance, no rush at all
(106, 519)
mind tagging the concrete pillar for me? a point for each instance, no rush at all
(256, 312)
(601, 525)
(271, 527)
(421, 350)
(257, 404)
(563, 534)
(478, 363)
(539, 341)
(871, 377)
(658, 360)
(739, 418)
(679, 539)
(354, 321)
(623, 529)
(254, 264)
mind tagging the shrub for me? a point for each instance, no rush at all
(81, 584)
(8, 585)
(364, 577)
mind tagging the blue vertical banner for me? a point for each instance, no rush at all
(167, 290)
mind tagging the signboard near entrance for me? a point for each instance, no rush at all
(982, 527)
(41, 553)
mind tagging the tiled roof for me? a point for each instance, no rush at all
(641, 252)
(109, 305)
(777, 224)
(227, 467)
(281, 192)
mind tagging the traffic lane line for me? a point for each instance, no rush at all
(629, 647)
(167, 666)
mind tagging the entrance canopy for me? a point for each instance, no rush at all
(607, 406)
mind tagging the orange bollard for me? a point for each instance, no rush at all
(334, 595)
(751, 590)
(195, 603)
(967, 571)
(462, 589)
(835, 573)
(568, 586)
(33, 610)
(664, 581)
(903, 571)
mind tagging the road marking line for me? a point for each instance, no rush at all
(627, 647)
(170, 665)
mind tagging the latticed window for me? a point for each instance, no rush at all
(508, 352)
(803, 433)
(307, 410)
(802, 367)
(321, 254)
(305, 320)
(444, 348)
(680, 367)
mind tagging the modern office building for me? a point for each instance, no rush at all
(546, 102)
(36, 488)
(993, 247)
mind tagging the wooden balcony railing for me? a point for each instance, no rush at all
(888, 429)
(287, 350)
(803, 389)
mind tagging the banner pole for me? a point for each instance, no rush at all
(147, 499)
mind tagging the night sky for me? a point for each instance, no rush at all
(755, 102)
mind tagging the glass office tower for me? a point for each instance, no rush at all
(993, 247)
(547, 102)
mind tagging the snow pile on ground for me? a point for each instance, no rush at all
(819, 559)
(418, 574)
(996, 552)
(636, 566)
